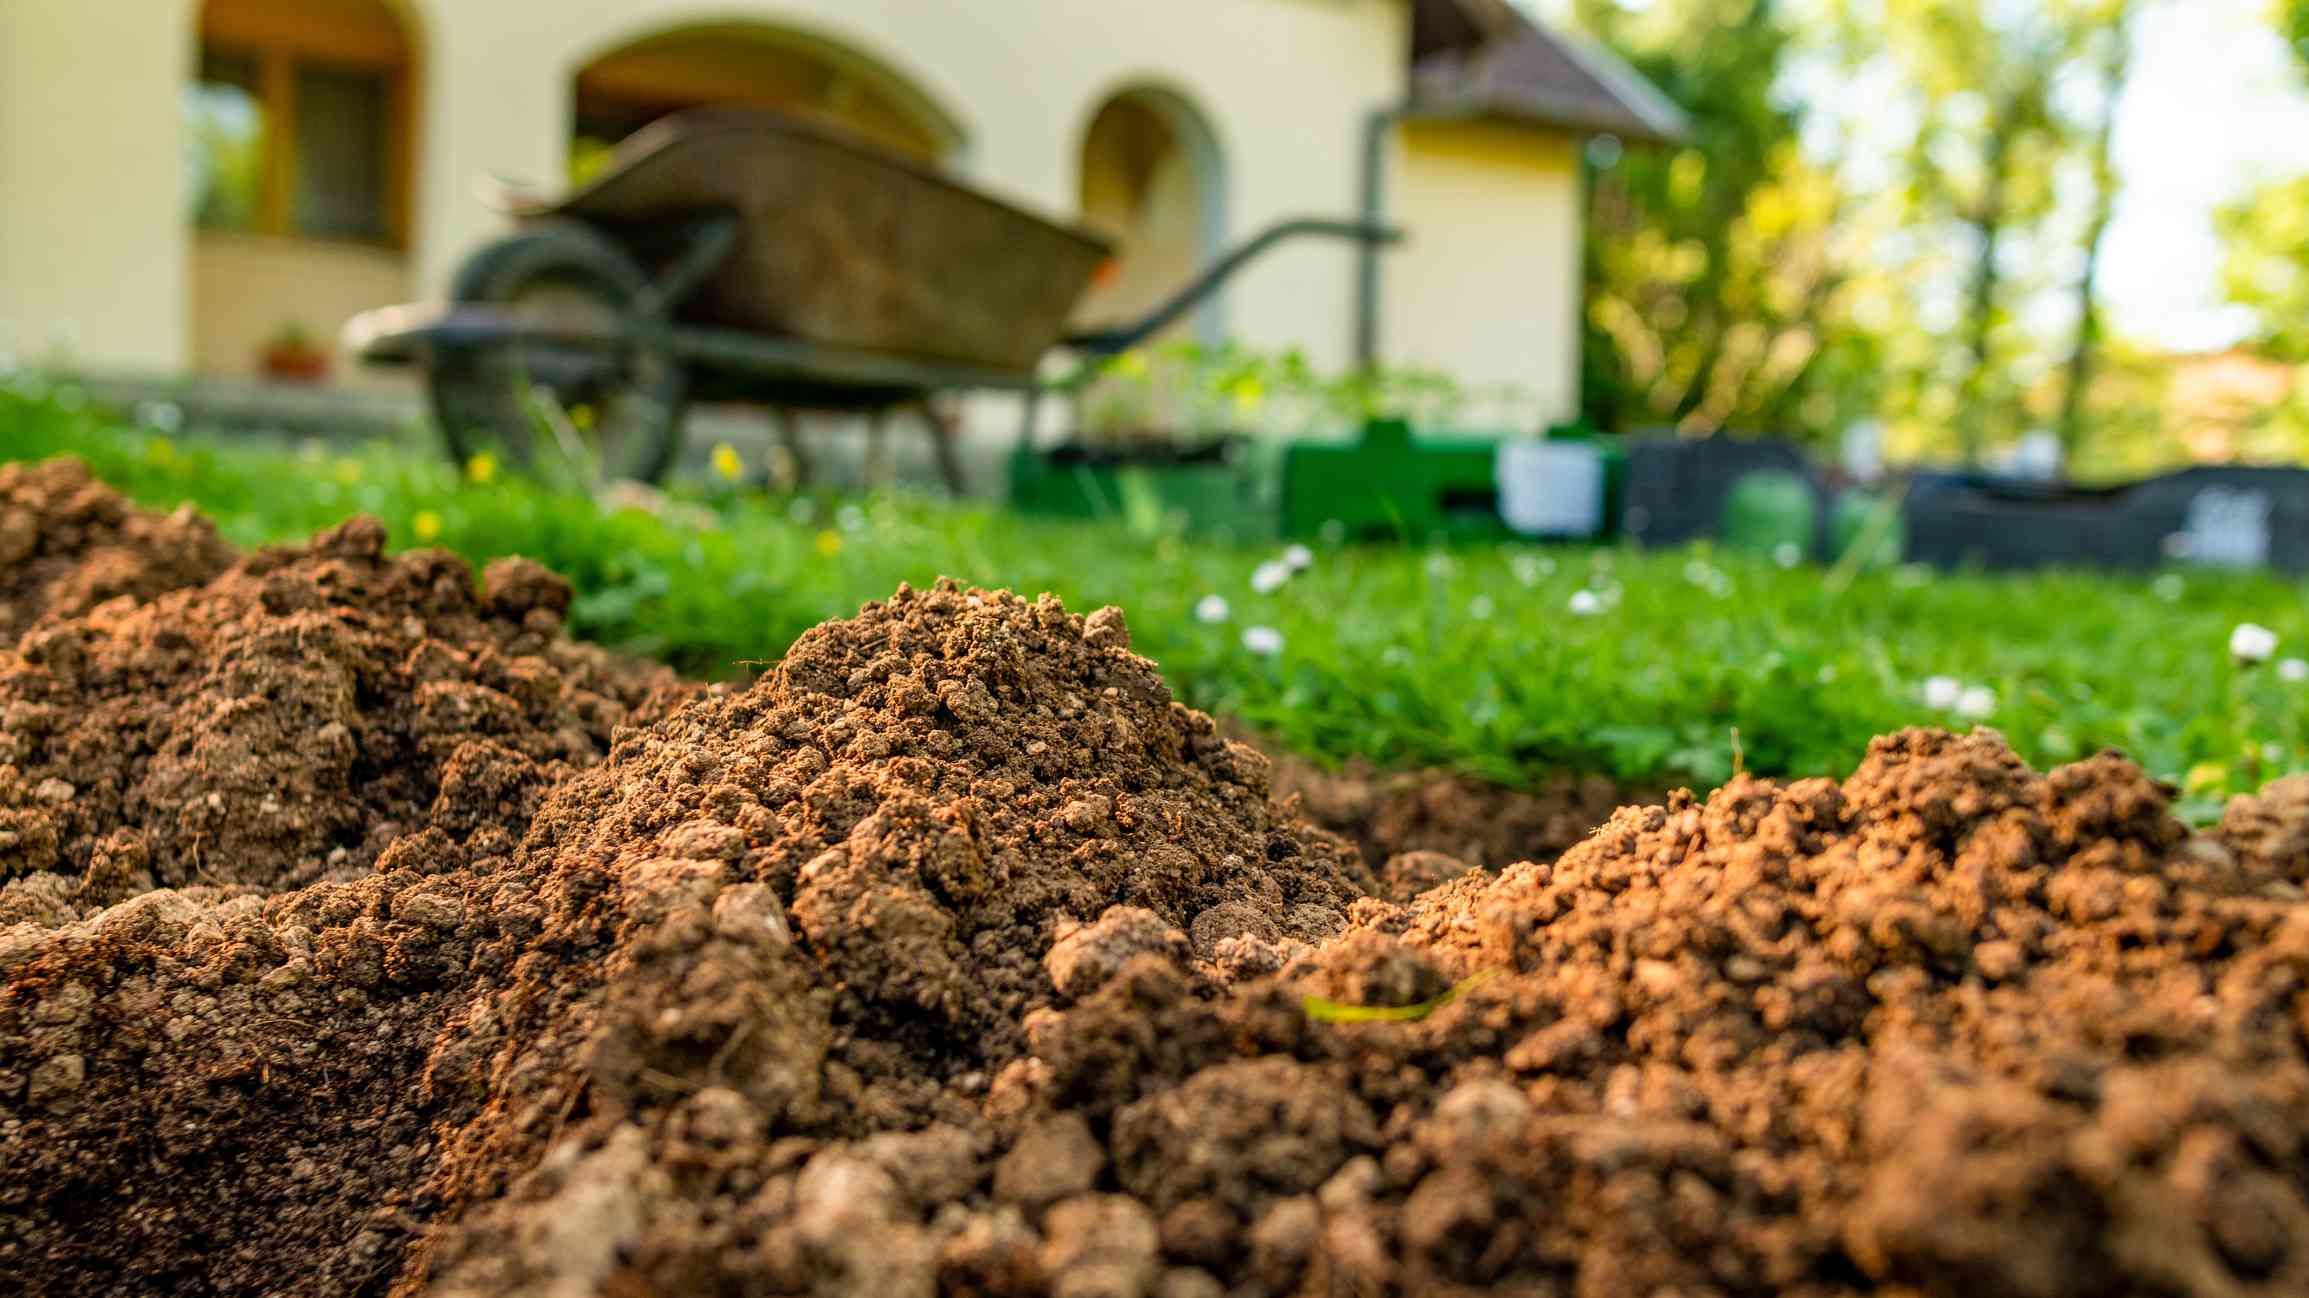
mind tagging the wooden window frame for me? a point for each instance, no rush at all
(282, 41)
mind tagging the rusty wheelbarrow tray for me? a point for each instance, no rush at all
(743, 255)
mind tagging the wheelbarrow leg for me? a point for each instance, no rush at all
(876, 474)
(790, 439)
(945, 437)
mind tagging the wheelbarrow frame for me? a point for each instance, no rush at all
(786, 372)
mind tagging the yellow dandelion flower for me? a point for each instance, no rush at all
(348, 471)
(727, 463)
(829, 543)
(160, 450)
(482, 467)
(427, 525)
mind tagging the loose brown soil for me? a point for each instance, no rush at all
(954, 957)
(1449, 822)
(69, 543)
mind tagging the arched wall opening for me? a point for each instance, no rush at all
(1152, 177)
(300, 137)
(752, 65)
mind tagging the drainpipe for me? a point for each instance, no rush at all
(1376, 127)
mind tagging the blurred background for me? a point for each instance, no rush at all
(1960, 230)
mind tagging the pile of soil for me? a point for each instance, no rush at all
(954, 957)
(261, 722)
(69, 543)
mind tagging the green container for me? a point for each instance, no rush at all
(1220, 500)
(1387, 485)
(1865, 531)
(1768, 509)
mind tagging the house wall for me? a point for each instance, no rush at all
(1487, 286)
(92, 231)
(246, 287)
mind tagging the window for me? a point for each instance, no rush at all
(225, 142)
(296, 122)
(341, 144)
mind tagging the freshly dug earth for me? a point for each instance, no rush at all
(954, 957)
(1443, 820)
(288, 720)
(69, 543)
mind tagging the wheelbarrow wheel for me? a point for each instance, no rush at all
(604, 414)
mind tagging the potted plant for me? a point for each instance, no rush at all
(292, 356)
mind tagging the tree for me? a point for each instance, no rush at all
(1713, 268)
(2265, 235)
(2112, 62)
(1972, 108)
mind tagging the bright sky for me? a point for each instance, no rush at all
(2214, 102)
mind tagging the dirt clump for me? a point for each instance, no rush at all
(69, 543)
(955, 958)
(288, 720)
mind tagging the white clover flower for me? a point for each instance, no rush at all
(1269, 577)
(1976, 703)
(1479, 608)
(1298, 558)
(1439, 565)
(1265, 641)
(2169, 587)
(850, 518)
(1586, 603)
(1212, 609)
(1942, 692)
(1787, 554)
(2251, 642)
(2292, 670)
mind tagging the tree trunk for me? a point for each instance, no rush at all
(1988, 218)
(2084, 355)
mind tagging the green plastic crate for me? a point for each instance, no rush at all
(1220, 500)
(1388, 485)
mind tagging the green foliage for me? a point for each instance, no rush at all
(1713, 273)
(1874, 194)
(1472, 658)
(1187, 391)
(2266, 267)
(2292, 20)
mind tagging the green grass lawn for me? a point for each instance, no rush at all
(1502, 661)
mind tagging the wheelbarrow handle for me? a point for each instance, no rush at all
(1109, 342)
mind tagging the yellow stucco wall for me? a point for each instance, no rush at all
(92, 237)
(92, 232)
(1487, 287)
(245, 288)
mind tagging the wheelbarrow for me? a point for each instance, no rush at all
(739, 255)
